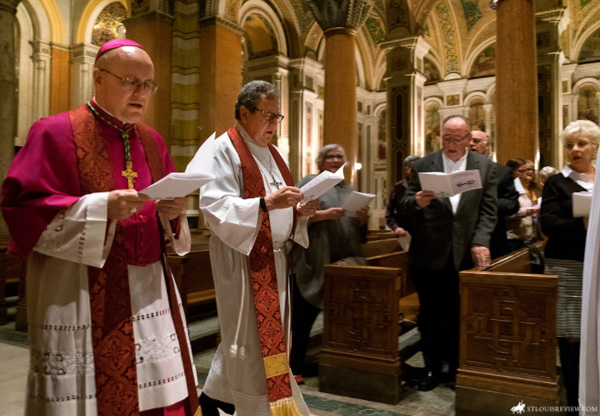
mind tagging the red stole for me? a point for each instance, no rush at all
(264, 284)
(110, 299)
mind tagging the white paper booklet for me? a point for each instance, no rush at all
(322, 183)
(197, 173)
(444, 184)
(582, 203)
(356, 201)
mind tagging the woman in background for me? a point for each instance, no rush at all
(522, 228)
(333, 236)
(566, 242)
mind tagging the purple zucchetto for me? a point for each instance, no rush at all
(116, 43)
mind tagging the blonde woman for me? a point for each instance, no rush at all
(566, 241)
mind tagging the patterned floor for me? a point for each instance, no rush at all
(438, 402)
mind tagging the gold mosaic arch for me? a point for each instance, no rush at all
(89, 10)
(260, 40)
(57, 24)
(313, 38)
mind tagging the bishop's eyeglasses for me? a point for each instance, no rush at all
(134, 84)
(269, 116)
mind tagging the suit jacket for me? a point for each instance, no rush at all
(440, 237)
(566, 235)
(508, 204)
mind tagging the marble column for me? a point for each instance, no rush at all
(305, 133)
(82, 69)
(340, 21)
(405, 118)
(340, 95)
(8, 85)
(220, 73)
(153, 30)
(550, 26)
(516, 81)
(41, 79)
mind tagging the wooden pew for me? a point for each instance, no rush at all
(507, 338)
(12, 273)
(360, 354)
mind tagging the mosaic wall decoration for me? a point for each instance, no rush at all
(485, 63)
(426, 31)
(431, 72)
(591, 48)
(398, 13)
(376, 29)
(452, 100)
(585, 3)
(472, 12)
(449, 37)
(232, 7)
(303, 15)
(139, 7)
(109, 24)
(477, 114)
(433, 141)
(587, 104)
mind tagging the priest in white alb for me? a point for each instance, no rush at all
(252, 210)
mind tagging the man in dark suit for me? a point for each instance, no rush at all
(508, 197)
(448, 235)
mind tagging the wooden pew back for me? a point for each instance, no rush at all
(507, 337)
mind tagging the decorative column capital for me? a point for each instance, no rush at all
(415, 44)
(331, 14)
(9, 5)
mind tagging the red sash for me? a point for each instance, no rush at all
(110, 299)
(264, 284)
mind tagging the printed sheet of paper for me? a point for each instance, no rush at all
(356, 201)
(204, 158)
(197, 173)
(582, 203)
(404, 241)
(450, 184)
(176, 184)
(322, 183)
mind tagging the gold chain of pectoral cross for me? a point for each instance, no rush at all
(128, 173)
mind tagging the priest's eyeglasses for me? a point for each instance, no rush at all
(269, 116)
(134, 84)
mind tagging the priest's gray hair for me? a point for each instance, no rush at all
(585, 126)
(325, 150)
(251, 94)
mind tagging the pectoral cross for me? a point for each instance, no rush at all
(129, 174)
(275, 183)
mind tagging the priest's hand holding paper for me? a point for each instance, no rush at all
(170, 208)
(424, 198)
(285, 197)
(123, 203)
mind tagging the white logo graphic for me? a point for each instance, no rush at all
(520, 408)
